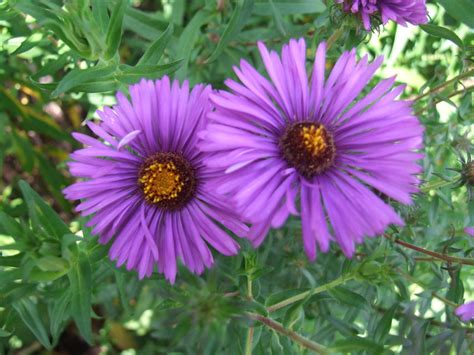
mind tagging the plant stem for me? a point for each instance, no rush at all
(334, 37)
(340, 280)
(459, 92)
(448, 258)
(435, 185)
(278, 327)
(440, 86)
(249, 341)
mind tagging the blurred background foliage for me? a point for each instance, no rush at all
(59, 294)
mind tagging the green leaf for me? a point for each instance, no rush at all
(53, 179)
(81, 287)
(461, 10)
(443, 32)
(144, 24)
(10, 226)
(240, 16)
(52, 263)
(290, 7)
(115, 29)
(385, 324)
(78, 77)
(353, 344)
(278, 19)
(188, 38)
(348, 297)
(28, 313)
(153, 54)
(131, 75)
(99, 11)
(24, 151)
(58, 314)
(42, 216)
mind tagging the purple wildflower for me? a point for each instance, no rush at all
(466, 311)
(294, 138)
(469, 230)
(145, 183)
(400, 11)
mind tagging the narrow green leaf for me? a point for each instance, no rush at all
(24, 150)
(53, 179)
(10, 226)
(385, 324)
(295, 7)
(115, 29)
(28, 313)
(353, 344)
(240, 16)
(188, 38)
(153, 54)
(144, 24)
(443, 32)
(81, 287)
(278, 18)
(78, 77)
(58, 314)
(42, 216)
(99, 10)
(348, 297)
(131, 75)
(461, 10)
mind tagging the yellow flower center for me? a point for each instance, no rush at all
(308, 147)
(167, 179)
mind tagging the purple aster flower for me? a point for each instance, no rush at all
(469, 230)
(145, 183)
(317, 142)
(400, 11)
(466, 311)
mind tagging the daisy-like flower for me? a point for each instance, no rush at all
(316, 142)
(145, 184)
(466, 311)
(400, 11)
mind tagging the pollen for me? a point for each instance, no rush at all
(314, 139)
(167, 180)
(308, 147)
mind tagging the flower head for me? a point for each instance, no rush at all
(466, 311)
(469, 230)
(400, 11)
(317, 142)
(145, 185)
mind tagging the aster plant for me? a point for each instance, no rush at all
(144, 183)
(314, 146)
(399, 11)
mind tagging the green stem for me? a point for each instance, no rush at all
(278, 327)
(435, 185)
(334, 37)
(249, 341)
(459, 92)
(339, 281)
(447, 258)
(440, 86)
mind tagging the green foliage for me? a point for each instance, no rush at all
(60, 61)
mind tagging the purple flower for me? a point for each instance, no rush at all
(145, 185)
(400, 11)
(317, 142)
(466, 311)
(469, 230)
